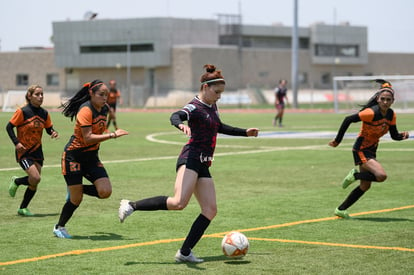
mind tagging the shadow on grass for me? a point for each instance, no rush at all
(100, 236)
(382, 219)
(45, 215)
(220, 258)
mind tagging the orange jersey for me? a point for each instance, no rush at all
(374, 126)
(30, 122)
(87, 116)
(113, 96)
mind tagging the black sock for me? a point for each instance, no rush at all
(151, 204)
(368, 176)
(196, 232)
(22, 181)
(352, 198)
(28, 196)
(90, 190)
(67, 212)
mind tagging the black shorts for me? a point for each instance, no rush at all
(362, 156)
(76, 165)
(201, 168)
(26, 162)
(113, 106)
(28, 159)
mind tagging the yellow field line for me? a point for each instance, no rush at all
(335, 244)
(94, 250)
(312, 221)
(84, 251)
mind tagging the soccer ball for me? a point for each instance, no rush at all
(235, 245)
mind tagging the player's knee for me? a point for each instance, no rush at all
(210, 212)
(104, 194)
(34, 180)
(381, 177)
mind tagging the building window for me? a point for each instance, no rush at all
(326, 78)
(117, 48)
(336, 50)
(22, 79)
(52, 79)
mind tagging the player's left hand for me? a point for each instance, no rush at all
(405, 135)
(333, 143)
(54, 134)
(252, 132)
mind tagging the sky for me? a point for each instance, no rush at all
(25, 23)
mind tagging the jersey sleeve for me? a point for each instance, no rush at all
(17, 118)
(366, 115)
(394, 119)
(48, 122)
(84, 117)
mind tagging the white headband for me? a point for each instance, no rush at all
(212, 80)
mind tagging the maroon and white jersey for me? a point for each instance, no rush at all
(204, 122)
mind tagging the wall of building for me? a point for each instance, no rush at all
(36, 64)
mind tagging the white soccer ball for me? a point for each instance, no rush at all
(235, 245)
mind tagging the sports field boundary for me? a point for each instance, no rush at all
(221, 234)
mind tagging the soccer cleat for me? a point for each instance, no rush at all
(61, 232)
(13, 187)
(350, 178)
(191, 258)
(342, 213)
(125, 209)
(24, 212)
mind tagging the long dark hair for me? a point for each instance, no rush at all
(71, 107)
(385, 86)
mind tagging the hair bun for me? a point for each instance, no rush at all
(210, 68)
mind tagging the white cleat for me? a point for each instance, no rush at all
(125, 209)
(180, 258)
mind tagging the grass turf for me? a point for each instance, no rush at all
(280, 192)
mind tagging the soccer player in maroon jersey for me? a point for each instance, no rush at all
(193, 175)
(80, 158)
(30, 120)
(377, 119)
(280, 96)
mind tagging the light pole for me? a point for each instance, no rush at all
(128, 65)
(295, 55)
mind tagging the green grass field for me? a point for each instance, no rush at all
(281, 192)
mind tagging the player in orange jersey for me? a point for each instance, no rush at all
(80, 158)
(377, 119)
(29, 120)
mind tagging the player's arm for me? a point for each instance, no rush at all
(10, 132)
(52, 132)
(177, 119)
(234, 131)
(395, 135)
(344, 126)
(91, 138)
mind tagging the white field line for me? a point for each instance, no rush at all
(255, 150)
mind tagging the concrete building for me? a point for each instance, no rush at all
(154, 56)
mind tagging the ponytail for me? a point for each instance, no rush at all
(71, 107)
